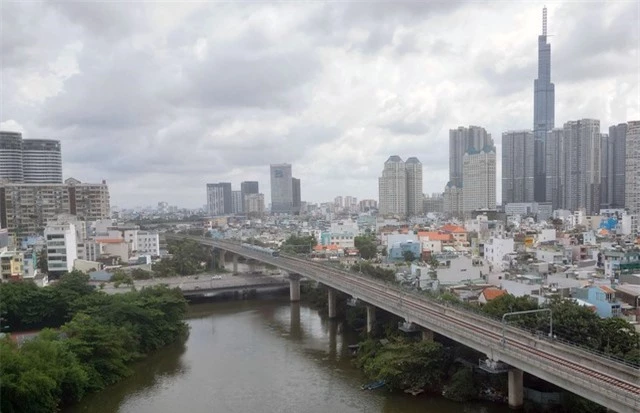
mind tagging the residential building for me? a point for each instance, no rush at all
(11, 265)
(541, 211)
(632, 170)
(26, 208)
(495, 251)
(236, 202)
(338, 202)
(246, 188)
(414, 186)
(254, 204)
(350, 203)
(603, 298)
(297, 195)
(398, 250)
(281, 189)
(42, 161)
(433, 203)
(543, 110)
(392, 187)
(148, 243)
(62, 248)
(554, 167)
(452, 200)
(341, 239)
(479, 176)
(11, 157)
(461, 141)
(215, 199)
(368, 204)
(517, 166)
(581, 165)
(616, 165)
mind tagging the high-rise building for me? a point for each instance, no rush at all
(517, 166)
(236, 202)
(580, 178)
(554, 167)
(297, 195)
(254, 204)
(248, 187)
(433, 203)
(452, 200)
(392, 187)
(26, 208)
(479, 177)
(281, 189)
(606, 171)
(11, 157)
(632, 169)
(543, 109)
(338, 202)
(62, 248)
(414, 186)
(617, 156)
(219, 199)
(368, 204)
(462, 140)
(42, 161)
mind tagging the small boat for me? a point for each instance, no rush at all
(372, 386)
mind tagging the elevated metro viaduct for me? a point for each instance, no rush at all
(608, 382)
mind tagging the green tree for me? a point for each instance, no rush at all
(366, 245)
(299, 244)
(461, 387)
(41, 261)
(408, 256)
(619, 338)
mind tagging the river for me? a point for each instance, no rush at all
(258, 356)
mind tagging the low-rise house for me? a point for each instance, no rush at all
(398, 250)
(603, 298)
(490, 294)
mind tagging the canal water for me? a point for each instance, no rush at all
(259, 356)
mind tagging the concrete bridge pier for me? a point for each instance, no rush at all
(332, 302)
(223, 258)
(516, 390)
(371, 318)
(294, 287)
(295, 326)
(427, 335)
(235, 264)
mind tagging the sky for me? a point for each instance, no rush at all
(159, 98)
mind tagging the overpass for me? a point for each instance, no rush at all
(606, 381)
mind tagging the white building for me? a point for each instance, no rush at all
(62, 247)
(148, 243)
(632, 171)
(254, 204)
(414, 186)
(495, 250)
(392, 187)
(236, 202)
(479, 177)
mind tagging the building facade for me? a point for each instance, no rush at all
(392, 187)
(237, 202)
(414, 186)
(62, 247)
(479, 176)
(297, 195)
(632, 170)
(543, 110)
(452, 200)
(281, 189)
(618, 139)
(554, 167)
(219, 199)
(42, 161)
(254, 204)
(517, 166)
(461, 140)
(11, 157)
(248, 187)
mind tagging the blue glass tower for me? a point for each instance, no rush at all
(543, 110)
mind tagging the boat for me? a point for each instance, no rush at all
(372, 386)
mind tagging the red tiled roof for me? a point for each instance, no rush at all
(453, 228)
(435, 236)
(491, 293)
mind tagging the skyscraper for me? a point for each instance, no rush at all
(606, 171)
(392, 187)
(554, 167)
(479, 176)
(281, 189)
(543, 109)
(517, 166)
(42, 161)
(461, 140)
(414, 186)
(11, 157)
(246, 188)
(215, 199)
(617, 139)
(296, 195)
(580, 180)
(632, 168)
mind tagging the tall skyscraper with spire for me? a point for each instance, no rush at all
(543, 110)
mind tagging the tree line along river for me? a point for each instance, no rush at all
(259, 356)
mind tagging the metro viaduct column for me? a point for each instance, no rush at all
(371, 318)
(294, 287)
(516, 390)
(235, 264)
(223, 255)
(332, 302)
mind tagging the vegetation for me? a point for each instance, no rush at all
(374, 271)
(366, 244)
(299, 245)
(408, 256)
(98, 337)
(187, 257)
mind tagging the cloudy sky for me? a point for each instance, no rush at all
(161, 98)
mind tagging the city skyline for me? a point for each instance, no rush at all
(342, 105)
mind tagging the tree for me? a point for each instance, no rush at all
(461, 388)
(41, 261)
(408, 256)
(299, 245)
(366, 245)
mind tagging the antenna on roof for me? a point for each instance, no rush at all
(544, 21)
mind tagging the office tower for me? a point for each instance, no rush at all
(216, 199)
(248, 187)
(254, 204)
(479, 177)
(281, 189)
(632, 169)
(606, 171)
(26, 208)
(297, 195)
(581, 165)
(392, 187)
(236, 202)
(461, 141)
(617, 156)
(543, 109)
(42, 161)
(555, 167)
(11, 157)
(517, 166)
(414, 186)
